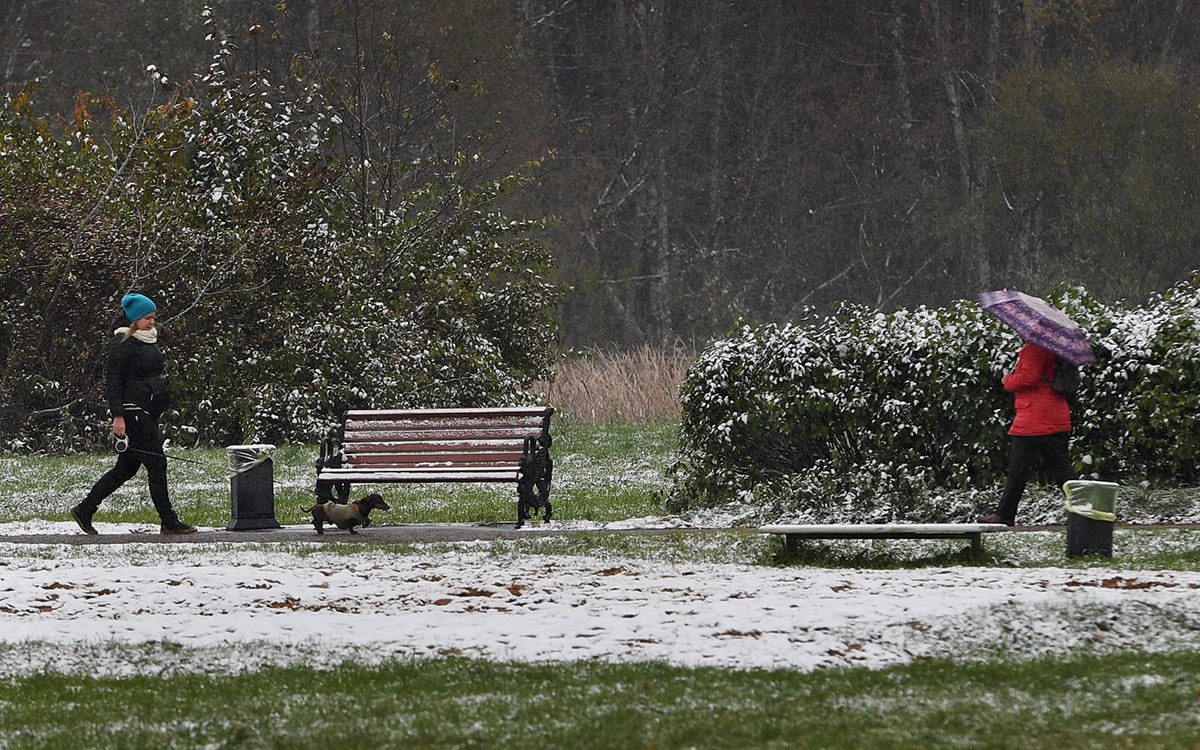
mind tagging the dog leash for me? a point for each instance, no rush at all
(242, 458)
(121, 444)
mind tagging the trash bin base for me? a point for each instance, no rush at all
(252, 524)
(252, 499)
(1087, 536)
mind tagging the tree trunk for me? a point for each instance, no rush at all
(20, 15)
(660, 284)
(902, 86)
(1165, 54)
(976, 249)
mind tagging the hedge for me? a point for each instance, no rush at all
(870, 416)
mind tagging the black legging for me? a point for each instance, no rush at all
(1021, 459)
(145, 449)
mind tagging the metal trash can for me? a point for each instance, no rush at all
(251, 487)
(1091, 512)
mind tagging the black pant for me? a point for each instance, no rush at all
(145, 449)
(1025, 451)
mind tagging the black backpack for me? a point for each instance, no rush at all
(1066, 378)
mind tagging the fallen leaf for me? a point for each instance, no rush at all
(733, 633)
(472, 591)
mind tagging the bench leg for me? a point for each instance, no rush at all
(325, 493)
(529, 504)
(791, 543)
(977, 546)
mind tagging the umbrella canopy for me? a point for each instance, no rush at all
(1038, 322)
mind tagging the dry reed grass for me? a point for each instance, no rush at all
(599, 387)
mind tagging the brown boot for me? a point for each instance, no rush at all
(84, 519)
(176, 528)
(996, 518)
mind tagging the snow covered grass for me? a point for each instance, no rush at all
(602, 473)
(675, 636)
(523, 644)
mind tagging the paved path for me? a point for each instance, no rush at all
(406, 533)
(381, 534)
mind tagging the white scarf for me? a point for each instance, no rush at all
(146, 337)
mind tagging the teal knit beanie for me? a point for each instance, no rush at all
(137, 306)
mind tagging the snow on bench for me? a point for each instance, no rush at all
(972, 531)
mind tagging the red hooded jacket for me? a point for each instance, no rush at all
(1040, 411)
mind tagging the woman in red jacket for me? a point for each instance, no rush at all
(1042, 428)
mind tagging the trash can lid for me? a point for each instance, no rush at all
(243, 458)
(1091, 483)
(1092, 499)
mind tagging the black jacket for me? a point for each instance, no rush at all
(134, 380)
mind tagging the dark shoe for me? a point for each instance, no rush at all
(176, 528)
(996, 518)
(84, 519)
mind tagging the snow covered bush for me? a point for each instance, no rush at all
(868, 416)
(1139, 407)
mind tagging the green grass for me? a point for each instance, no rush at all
(1120, 701)
(602, 473)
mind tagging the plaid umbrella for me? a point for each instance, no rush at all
(1037, 322)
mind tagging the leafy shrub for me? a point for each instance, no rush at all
(290, 287)
(872, 416)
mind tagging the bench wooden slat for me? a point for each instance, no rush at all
(430, 474)
(446, 419)
(391, 433)
(375, 463)
(402, 457)
(434, 446)
(402, 414)
(376, 430)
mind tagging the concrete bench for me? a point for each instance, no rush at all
(792, 534)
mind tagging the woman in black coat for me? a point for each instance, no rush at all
(137, 397)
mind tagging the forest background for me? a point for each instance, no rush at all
(703, 162)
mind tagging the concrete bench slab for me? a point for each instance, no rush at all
(974, 532)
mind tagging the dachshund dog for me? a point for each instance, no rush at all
(346, 515)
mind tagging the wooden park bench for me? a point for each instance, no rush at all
(507, 444)
(972, 531)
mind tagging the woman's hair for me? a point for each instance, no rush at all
(129, 329)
